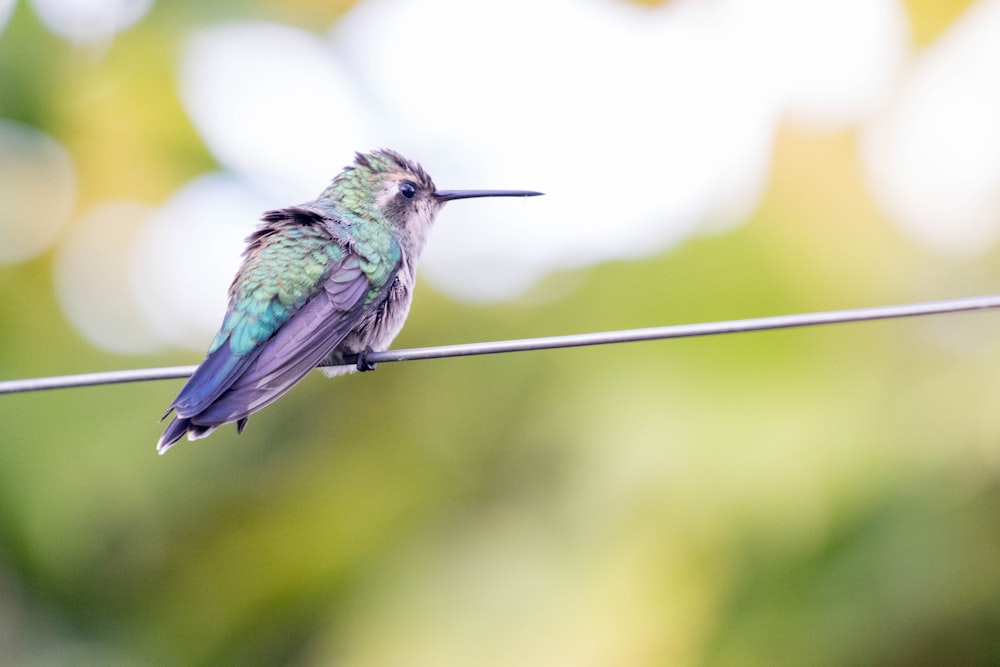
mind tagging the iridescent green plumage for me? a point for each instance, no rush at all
(284, 267)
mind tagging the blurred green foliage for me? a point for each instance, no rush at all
(825, 496)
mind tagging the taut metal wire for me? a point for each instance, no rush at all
(552, 342)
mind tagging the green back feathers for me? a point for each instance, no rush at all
(284, 268)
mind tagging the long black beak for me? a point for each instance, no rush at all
(448, 195)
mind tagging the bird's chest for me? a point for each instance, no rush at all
(376, 329)
(390, 316)
(384, 320)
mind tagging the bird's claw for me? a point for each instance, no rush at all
(363, 363)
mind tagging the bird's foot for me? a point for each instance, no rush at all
(363, 363)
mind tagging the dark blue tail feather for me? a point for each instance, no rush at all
(176, 429)
(211, 379)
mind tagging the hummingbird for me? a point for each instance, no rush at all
(324, 283)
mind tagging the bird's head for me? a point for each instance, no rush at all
(385, 185)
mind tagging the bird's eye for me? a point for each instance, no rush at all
(407, 189)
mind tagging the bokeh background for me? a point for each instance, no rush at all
(826, 497)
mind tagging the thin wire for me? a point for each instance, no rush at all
(552, 342)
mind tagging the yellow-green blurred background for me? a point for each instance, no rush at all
(827, 496)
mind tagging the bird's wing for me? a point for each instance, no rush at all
(299, 292)
(299, 346)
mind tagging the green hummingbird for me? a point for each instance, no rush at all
(321, 284)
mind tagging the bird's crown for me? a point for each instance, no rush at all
(369, 171)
